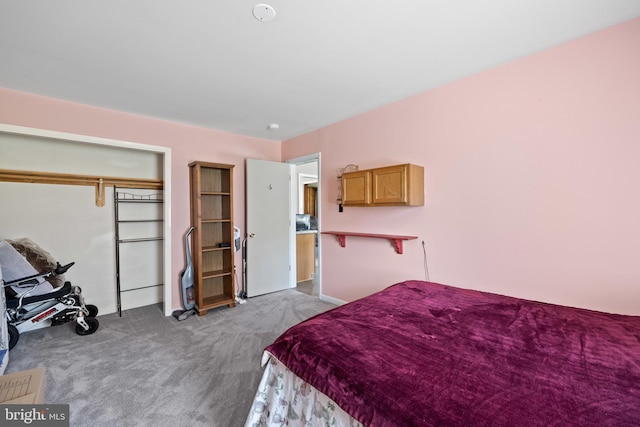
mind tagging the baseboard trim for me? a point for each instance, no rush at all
(332, 300)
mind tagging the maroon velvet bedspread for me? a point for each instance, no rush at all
(424, 354)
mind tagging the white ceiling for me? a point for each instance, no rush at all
(210, 63)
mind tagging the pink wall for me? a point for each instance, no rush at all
(531, 171)
(529, 175)
(187, 144)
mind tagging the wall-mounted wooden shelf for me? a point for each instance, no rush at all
(395, 239)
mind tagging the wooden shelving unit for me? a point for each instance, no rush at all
(212, 219)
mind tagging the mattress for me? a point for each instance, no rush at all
(426, 354)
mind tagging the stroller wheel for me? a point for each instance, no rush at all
(93, 310)
(93, 326)
(14, 335)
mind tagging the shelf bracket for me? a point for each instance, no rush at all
(100, 193)
(398, 243)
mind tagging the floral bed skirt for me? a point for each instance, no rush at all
(284, 399)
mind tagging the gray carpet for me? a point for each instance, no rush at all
(144, 369)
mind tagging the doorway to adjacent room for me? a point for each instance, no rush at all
(306, 210)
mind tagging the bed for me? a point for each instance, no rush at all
(426, 354)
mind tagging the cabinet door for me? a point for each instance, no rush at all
(389, 185)
(305, 256)
(356, 188)
(310, 194)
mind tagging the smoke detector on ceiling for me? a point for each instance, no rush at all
(264, 12)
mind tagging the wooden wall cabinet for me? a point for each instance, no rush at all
(212, 238)
(399, 185)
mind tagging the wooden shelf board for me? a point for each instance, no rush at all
(215, 248)
(215, 301)
(394, 238)
(215, 273)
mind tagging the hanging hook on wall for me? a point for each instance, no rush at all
(348, 168)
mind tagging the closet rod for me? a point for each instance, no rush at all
(73, 179)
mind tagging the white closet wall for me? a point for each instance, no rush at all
(64, 219)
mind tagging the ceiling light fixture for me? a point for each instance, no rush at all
(264, 12)
(273, 126)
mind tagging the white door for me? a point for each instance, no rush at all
(269, 228)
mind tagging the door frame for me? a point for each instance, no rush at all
(165, 152)
(292, 254)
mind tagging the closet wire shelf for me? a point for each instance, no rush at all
(121, 197)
